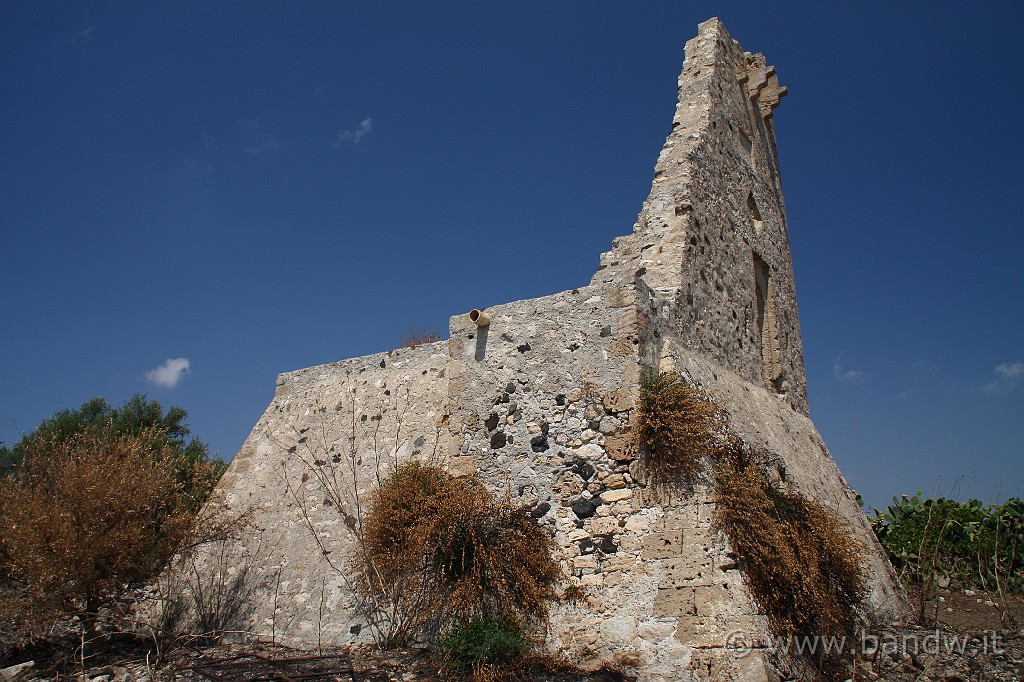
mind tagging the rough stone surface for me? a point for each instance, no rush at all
(539, 403)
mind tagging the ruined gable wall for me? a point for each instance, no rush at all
(714, 213)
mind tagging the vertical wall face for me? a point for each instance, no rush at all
(712, 235)
(327, 439)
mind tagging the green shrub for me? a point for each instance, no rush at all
(978, 546)
(196, 471)
(483, 641)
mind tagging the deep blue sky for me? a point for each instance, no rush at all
(260, 187)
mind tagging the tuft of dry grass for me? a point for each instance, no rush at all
(801, 561)
(678, 426)
(456, 552)
(417, 337)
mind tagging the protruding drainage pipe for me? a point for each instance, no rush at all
(479, 318)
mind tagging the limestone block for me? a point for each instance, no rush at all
(713, 600)
(614, 481)
(692, 568)
(618, 631)
(698, 631)
(661, 545)
(568, 486)
(627, 322)
(623, 348)
(604, 525)
(611, 496)
(674, 601)
(729, 664)
(615, 297)
(590, 451)
(608, 425)
(619, 400)
(621, 562)
(585, 561)
(619, 447)
(637, 522)
(631, 373)
(461, 466)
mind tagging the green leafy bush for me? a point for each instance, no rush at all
(93, 501)
(196, 471)
(83, 517)
(483, 641)
(976, 545)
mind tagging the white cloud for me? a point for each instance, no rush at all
(1008, 375)
(847, 376)
(82, 36)
(354, 136)
(267, 146)
(257, 141)
(170, 373)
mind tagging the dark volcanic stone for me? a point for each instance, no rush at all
(584, 509)
(584, 470)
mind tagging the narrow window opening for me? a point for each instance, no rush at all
(767, 324)
(755, 214)
(747, 146)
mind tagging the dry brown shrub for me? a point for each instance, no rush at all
(801, 561)
(417, 337)
(677, 425)
(83, 517)
(451, 552)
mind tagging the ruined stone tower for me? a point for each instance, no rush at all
(704, 286)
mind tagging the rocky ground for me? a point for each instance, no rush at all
(970, 638)
(269, 663)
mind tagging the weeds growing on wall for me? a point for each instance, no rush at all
(801, 561)
(678, 426)
(417, 337)
(441, 551)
